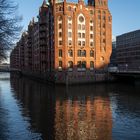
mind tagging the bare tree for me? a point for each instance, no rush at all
(9, 26)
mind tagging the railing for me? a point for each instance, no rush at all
(4, 68)
(123, 70)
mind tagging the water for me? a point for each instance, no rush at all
(31, 110)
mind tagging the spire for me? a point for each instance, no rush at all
(80, 1)
(33, 20)
(44, 3)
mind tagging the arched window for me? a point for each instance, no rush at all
(91, 21)
(83, 53)
(69, 26)
(91, 53)
(81, 32)
(60, 18)
(91, 65)
(69, 18)
(83, 64)
(70, 42)
(70, 53)
(70, 64)
(81, 19)
(60, 53)
(60, 26)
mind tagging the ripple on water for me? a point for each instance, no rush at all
(31, 110)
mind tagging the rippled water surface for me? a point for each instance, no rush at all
(31, 110)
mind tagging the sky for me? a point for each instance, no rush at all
(125, 14)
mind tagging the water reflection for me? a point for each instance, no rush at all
(3, 122)
(76, 113)
(38, 105)
(89, 112)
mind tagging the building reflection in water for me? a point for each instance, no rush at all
(76, 113)
(83, 115)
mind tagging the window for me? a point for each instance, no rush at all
(60, 26)
(81, 53)
(91, 35)
(69, 34)
(79, 43)
(69, 42)
(60, 53)
(60, 64)
(60, 34)
(91, 65)
(104, 25)
(91, 53)
(81, 19)
(91, 44)
(84, 64)
(83, 35)
(70, 53)
(91, 28)
(103, 40)
(79, 64)
(79, 26)
(70, 64)
(91, 21)
(60, 18)
(79, 35)
(69, 26)
(69, 18)
(83, 43)
(104, 18)
(60, 42)
(83, 27)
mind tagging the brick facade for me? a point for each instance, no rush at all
(70, 41)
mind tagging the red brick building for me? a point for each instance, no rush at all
(70, 42)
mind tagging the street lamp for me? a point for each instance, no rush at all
(126, 65)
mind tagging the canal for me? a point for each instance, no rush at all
(32, 110)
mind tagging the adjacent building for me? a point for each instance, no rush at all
(113, 61)
(128, 50)
(70, 42)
